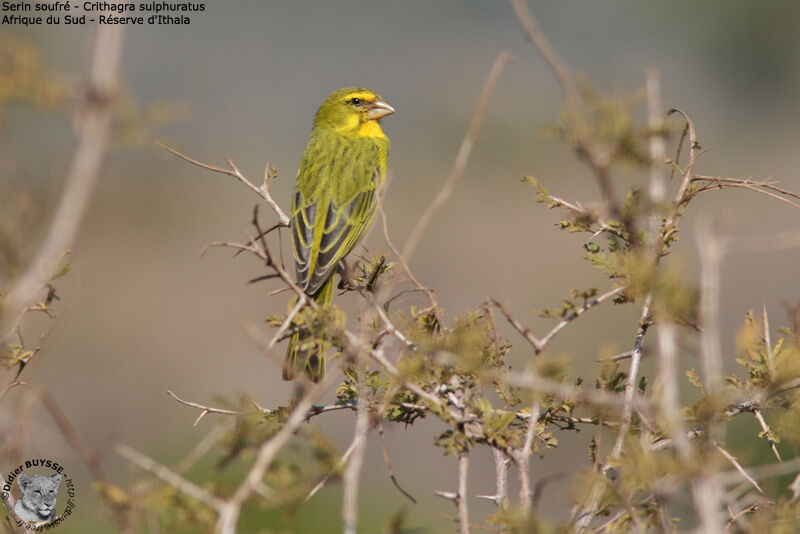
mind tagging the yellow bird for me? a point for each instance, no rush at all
(341, 174)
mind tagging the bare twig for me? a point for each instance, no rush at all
(617, 357)
(390, 327)
(540, 344)
(93, 125)
(711, 250)
(768, 343)
(276, 266)
(430, 293)
(524, 330)
(584, 146)
(537, 37)
(577, 209)
(460, 497)
(707, 488)
(688, 173)
(584, 515)
(230, 510)
(205, 409)
(317, 410)
(352, 472)
(170, 477)
(389, 465)
(762, 472)
(747, 406)
(589, 304)
(786, 386)
(342, 462)
(764, 187)
(11, 385)
(767, 433)
(379, 357)
(202, 447)
(655, 123)
(633, 376)
(738, 467)
(501, 465)
(9, 502)
(523, 460)
(463, 507)
(233, 170)
(565, 391)
(668, 376)
(288, 321)
(89, 457)
(747, 510)
(314, 411)
(462, 158)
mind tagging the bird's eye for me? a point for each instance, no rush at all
(355, 101)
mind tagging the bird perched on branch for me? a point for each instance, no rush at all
(341, 174)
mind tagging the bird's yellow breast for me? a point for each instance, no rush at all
(369, 128)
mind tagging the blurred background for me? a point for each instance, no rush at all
(142, 313)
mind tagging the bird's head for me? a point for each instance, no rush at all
(353, 111)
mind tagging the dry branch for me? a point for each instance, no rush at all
(370, 346)
(540, 344)
(462, 158)
(233, 170)
(389, 465)
(585, 147)
(352, 472)
(170, 477)
(93, 125)
(229, 513)
(205, 409)
(501, 465)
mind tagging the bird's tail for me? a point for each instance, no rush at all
(305, 355)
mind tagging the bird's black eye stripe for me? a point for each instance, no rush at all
(355, 101)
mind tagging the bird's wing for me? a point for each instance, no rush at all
(304, 213)
(343, 229)
(332, 208)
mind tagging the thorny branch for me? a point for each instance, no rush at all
(369, 349)
(229, 514)
(430, 293)
(460, 496)
(764, 187)
(233, 170)
(597, 158)
(501, 465)
(205, 409)
(540, 344)
(659, 247)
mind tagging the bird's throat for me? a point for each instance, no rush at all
(370, 129)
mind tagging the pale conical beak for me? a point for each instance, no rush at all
(380, 108)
